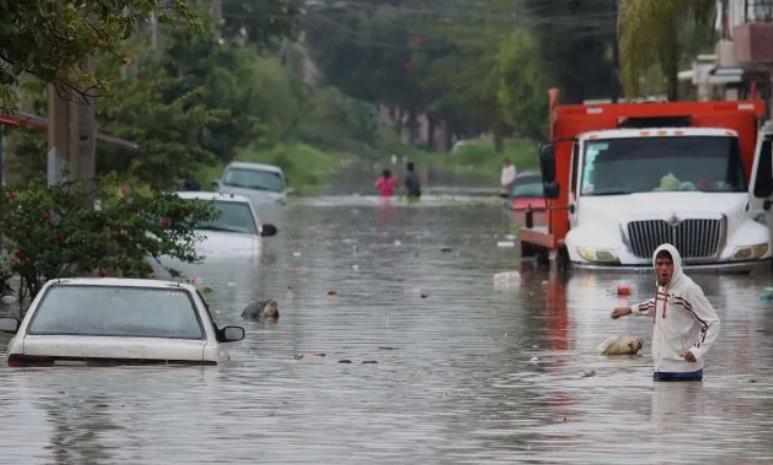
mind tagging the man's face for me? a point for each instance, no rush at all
(664, 269)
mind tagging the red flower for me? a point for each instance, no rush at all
(18, 254)
(12, 196)
(165, 222)
(101, 273)
(60, 238)
(46, 216)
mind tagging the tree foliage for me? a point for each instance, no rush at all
(650, 32)
(51, 39)
(522, 91)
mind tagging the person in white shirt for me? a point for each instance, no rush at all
(508, 176)
(685, 324)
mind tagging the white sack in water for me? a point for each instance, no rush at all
(620, 345)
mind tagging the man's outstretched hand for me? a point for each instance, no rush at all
(689, 357)
(620, 311)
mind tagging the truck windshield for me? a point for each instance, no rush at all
(659, 164)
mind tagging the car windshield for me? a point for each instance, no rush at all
(254, 179)
(232, 217)
(117, 311)
(528, 186)
(657, 164)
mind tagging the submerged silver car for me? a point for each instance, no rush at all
(259, 182)
(114, 320)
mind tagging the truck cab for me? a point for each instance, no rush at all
(621, 179)
(634, 189)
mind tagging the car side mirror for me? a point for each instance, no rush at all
(268, 230)
(9, 325)
(231, 334)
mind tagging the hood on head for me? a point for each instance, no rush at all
(674, 256)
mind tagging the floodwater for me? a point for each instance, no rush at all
(467, 372)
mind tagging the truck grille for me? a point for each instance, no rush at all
(693, 238)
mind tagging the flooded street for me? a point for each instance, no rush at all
(445, 368)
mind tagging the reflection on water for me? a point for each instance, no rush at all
(465, 373)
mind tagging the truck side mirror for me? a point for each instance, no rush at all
(547, 163)
(763, 184)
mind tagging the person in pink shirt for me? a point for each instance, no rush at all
(386, 184)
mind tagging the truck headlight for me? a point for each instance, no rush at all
(750, 252)
(598, 255)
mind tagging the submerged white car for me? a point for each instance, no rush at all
(257, 181)
(236, 232)
(82, 321)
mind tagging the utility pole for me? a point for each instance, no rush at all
(615, 82)
(71, 135)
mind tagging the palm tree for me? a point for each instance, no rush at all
(650, 30)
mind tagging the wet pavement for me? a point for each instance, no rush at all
(465, 372)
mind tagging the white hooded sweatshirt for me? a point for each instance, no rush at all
(683, 320)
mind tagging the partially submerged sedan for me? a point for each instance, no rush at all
(236, 231)
(113, 320)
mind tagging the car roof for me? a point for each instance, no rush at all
(525, 174)
(255, 166)
(213, 196)
(121, 282)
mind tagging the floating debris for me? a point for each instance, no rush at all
(398, 243)
(534, 359)
(298, 356)
(446, 249)
(424, 296)
(369, 362)
(296, 254)
(346, 360)
(356, 267)
(207, 290)
(332, 292)
(387, 348)
(620, 345)
(506, 244)
(588, 373)
(507, 279)
(319, 354)
(623, 289)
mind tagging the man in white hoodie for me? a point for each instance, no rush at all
(684, 322)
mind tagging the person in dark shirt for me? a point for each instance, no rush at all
(412, 184)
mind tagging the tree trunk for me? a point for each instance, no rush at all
(499, 138)
(430, 133)
(413, 126)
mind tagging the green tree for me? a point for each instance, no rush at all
(651, 31)
(522, 92)
(51, 39)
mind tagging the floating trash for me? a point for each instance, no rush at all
(446, 249)
(296, 254)
(319, 354)
(356, 267)
(398, 243)
(588, 373)
(346, 360)
(623, 289)
(332, 292)
(369, 362)
(298, 356)
(507, 279)
(505, 244)
(620, 345)
(231, 284)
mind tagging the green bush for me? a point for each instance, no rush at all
(72, 230)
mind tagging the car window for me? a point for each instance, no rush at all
(527, 187)
(232, 217)
(253, 179)
(117, 311)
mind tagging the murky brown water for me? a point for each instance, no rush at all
(469, 374)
